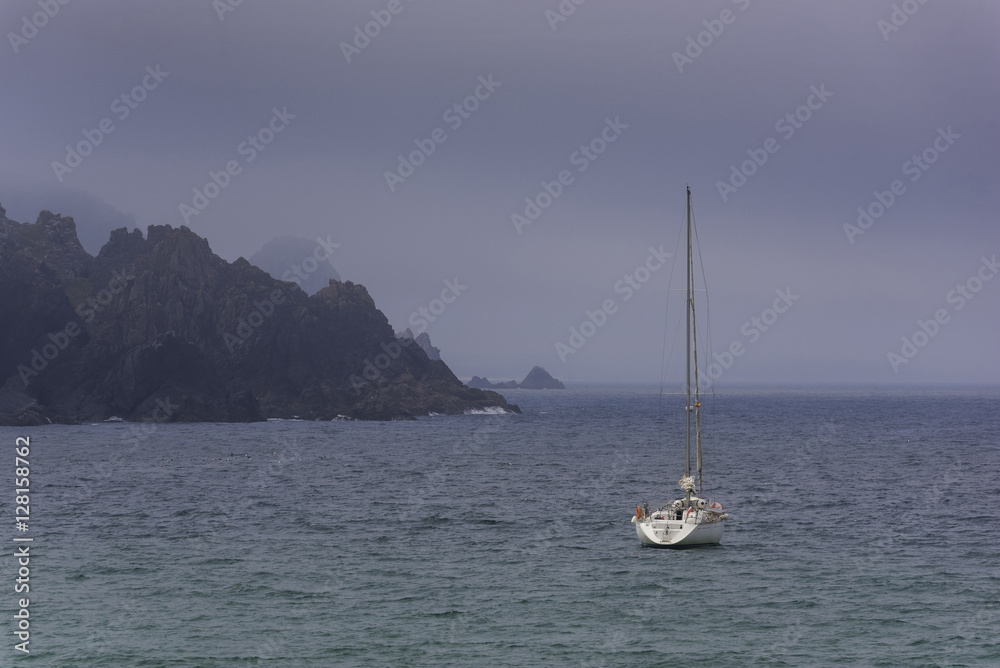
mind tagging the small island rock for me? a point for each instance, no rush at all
(539, 379)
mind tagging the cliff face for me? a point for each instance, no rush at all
(162, 328)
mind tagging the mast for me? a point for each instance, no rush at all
(690, 308)
(694, 348)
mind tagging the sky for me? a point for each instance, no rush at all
(509, 176)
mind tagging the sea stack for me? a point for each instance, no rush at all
(540, 379)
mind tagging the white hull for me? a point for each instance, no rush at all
(679, 533)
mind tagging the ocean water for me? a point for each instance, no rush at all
(864, 532)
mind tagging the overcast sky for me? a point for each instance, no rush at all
(835, 99)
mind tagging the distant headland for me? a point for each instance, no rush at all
(158, 327)
(537, 379)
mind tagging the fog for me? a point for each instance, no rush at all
(524, 163)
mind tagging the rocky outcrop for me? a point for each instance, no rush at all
(481, 383)
(539, 379)
(485, 384)
(424, 341)
(94, 218)
(160, 328)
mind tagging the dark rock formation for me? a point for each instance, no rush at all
(308, 262)
(480, 383)
(160, 328)
(94, 218)
(424, 341)
(539, 379)
(485, 384)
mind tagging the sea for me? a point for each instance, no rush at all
(863, 531)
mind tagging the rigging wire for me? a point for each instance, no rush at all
(708, 311)
(664, 359)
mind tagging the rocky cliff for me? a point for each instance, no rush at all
(160, 328)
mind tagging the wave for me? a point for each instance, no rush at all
(489, 410)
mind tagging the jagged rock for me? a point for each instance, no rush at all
(423, 340)
(161, 328)
(539, 379)
(94, 218)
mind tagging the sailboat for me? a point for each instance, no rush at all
(690, 520)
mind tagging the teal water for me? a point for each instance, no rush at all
(864, 532)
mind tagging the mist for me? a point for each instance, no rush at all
(495, 173)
